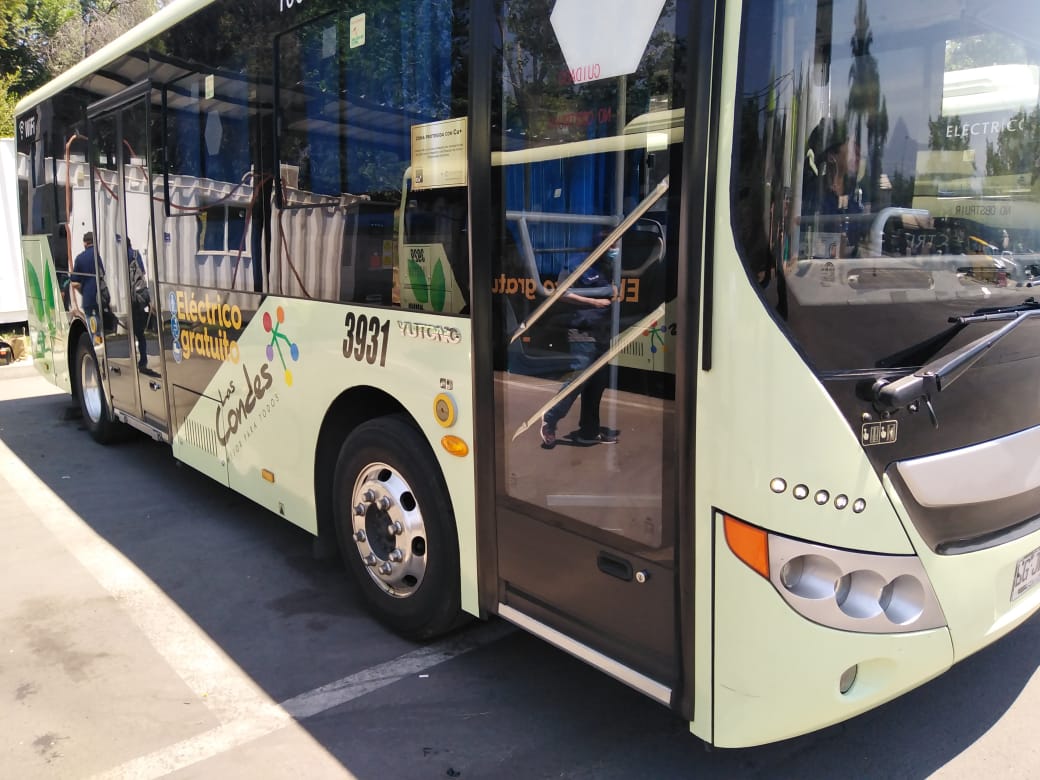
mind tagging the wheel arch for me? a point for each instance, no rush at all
(349, 410)
(76, 329)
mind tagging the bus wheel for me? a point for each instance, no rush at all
(92, 393)
(396, 528)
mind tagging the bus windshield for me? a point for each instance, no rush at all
(885, 182)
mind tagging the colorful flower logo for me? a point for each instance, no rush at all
(657, 333)
(276, 337)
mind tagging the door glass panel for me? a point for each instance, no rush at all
(587, 162)
(138, 209)
(110, 252)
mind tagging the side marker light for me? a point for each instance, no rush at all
(455, 446)
(749, 544)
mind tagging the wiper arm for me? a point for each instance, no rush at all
(998, 312)
(934, 377)
(919, 353)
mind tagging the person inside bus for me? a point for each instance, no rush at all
(84, 275)
(588, 336)
(831, 186)
(140, 300)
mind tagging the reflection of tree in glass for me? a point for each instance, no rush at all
(866, 108)
(1017, 150)
(977, 51)
(941, 140)
(544, 105)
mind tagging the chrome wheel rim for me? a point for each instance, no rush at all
(90, 387)
(388, 529)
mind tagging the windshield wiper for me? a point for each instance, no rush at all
(920, 353)
(936, 376)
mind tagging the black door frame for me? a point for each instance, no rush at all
(695, 246)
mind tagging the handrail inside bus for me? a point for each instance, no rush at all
(653, 131)
(623, 339)
(655, 195)
(522, 218)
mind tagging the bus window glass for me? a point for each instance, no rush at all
(209, 182)
(586, 392)
(886, 168)
(351, 87)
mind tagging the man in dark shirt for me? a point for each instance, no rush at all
(84, 275)
(588, 336)
(139, 301)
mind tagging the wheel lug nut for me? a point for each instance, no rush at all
(385, 503)
(386, 568)
(396, 555)
(361, 536)
(359, 509)
(395, 528)
(370, 560)
(370, 495)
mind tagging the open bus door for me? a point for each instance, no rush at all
(122, 196)
(588, 175)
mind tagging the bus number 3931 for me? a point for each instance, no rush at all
(366, 338)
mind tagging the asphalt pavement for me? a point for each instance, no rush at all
(155, 624)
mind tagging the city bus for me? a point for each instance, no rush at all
(354, 260)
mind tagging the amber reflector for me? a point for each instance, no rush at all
(748, 543)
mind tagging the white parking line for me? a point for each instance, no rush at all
(244, 710)
(271, 717)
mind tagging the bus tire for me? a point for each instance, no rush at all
(91, 393)
(396, 528)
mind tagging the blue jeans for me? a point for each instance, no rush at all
(583, 353)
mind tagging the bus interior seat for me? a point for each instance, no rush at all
(641, 246)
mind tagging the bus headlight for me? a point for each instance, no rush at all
(843, 589)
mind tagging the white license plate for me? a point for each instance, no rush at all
(1027, 573)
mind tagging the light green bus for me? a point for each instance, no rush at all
(630, 323)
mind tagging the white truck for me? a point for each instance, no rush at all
(12, 278)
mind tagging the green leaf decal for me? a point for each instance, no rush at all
(48, 285)
(437, 287)
(48, 298)
(35, 294)
(417, 278)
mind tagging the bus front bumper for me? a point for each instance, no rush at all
(778, 674)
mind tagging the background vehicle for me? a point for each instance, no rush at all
(12, 285)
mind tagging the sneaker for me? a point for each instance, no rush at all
(548, 436)
(599, 438)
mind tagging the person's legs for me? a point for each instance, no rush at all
(591, 395)
(582, 353)
(142, 342)
(555, 414)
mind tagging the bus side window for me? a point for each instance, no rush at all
(345, 118)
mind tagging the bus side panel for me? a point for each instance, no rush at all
(266, 400)
(776, 674)
(48, 323)
(195, 442)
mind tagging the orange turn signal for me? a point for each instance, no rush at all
(455, 446)
(748, 543)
